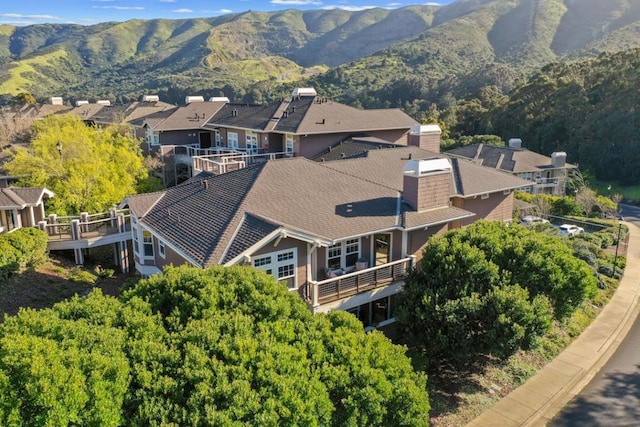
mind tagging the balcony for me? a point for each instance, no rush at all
(227, 160)
(542, 185)
(83, 231)
(349, 284)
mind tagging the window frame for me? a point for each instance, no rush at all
(273, 264)
(232, 140)
(344, 252)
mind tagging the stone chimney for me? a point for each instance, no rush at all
(515, 143)
(427, 183)
(426, 137)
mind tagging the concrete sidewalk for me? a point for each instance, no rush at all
(538, 400)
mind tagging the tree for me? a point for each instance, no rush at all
(88, 168)
(222, 346)
(23, 98)
(490, 289)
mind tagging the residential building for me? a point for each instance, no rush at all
(341, 234)
(547, 175)
(22, 207)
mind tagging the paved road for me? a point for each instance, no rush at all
(612, 398)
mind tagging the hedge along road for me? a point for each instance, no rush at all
(612, 398)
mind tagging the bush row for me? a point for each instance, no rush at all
(26, 247)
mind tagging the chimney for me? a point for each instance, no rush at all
(219, 99)
(82, 102)
(515, 143)
(150, 98)
(192, 99)
(427, 183)
(558, 159)
(56, 100)
(426, 137)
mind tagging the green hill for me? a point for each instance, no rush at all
(410, 57)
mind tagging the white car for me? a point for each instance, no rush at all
(529, 220)
(569, 230)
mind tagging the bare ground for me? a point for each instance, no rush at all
(56, 280)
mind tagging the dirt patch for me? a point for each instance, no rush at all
(57, 280)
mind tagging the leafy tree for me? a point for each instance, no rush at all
(88, 169)
(490, 289)
(222, 346)
(23, 98)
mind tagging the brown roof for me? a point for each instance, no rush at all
(469, 179)
(202, 216)
(85, 111)
(514, 160)
(190, 116)
(323, 116)
(413, 219)
(20, 197)
(213, 219)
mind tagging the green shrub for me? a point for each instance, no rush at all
(9, 260)
(79, 275)
(31, 245)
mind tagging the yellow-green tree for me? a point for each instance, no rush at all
(88, 168)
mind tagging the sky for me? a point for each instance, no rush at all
(89, 12)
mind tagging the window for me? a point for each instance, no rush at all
(153, 138)
(289, 145)
(136, 242)
(161, 249)
(251, 142)
(147, 242)
(344, 254)
(232, 140)
(217, 138)
(281, 265)
(334, 256)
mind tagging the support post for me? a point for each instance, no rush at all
(76, 235)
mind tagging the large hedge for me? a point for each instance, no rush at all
(25, 247)
(223, 346)
(490, 289)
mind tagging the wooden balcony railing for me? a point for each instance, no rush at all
(86, 226)
(350, 284)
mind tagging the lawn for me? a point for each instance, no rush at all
(629, 193)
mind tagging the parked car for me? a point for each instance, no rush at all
(569, 230)
(529, 220)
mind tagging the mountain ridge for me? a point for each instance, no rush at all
(375, 57)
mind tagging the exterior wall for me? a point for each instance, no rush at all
(312, 145)
(427, 192)
(396, 245)
(427, 141)
(417, 239)
(171, 257)
(301, 256)
(498, 207)
(180, 137)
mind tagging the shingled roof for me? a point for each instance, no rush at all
(21, 197)
(314, 114)
(214, 218)
(514, 160)
(190, 116)
(469, 179)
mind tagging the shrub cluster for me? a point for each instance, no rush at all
(491, 289)
(26, 247)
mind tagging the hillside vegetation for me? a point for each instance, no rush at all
(588, 108)
(409, 57)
